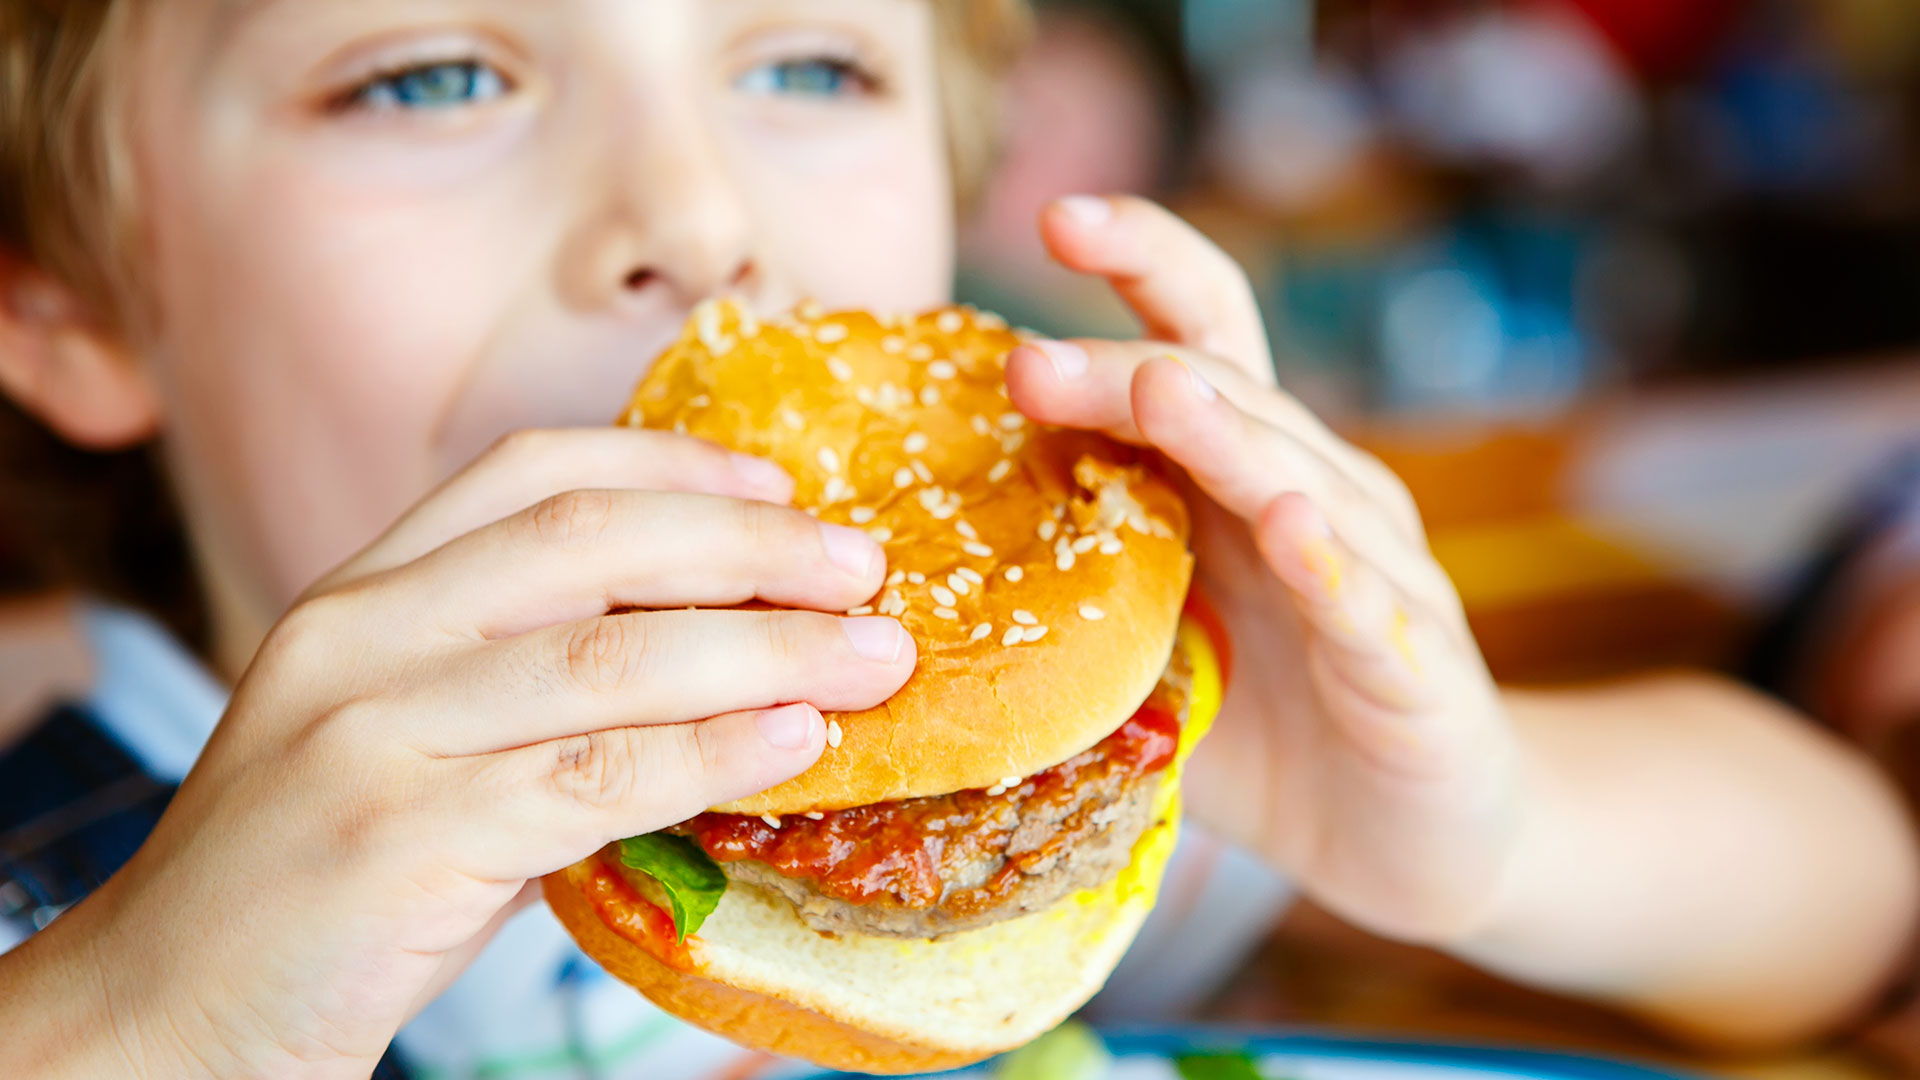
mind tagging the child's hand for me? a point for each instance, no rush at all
(456, 712)
(1363, 746)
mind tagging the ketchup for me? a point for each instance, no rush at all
(893, 851)
(635, 917)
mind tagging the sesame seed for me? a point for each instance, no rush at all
(980, 426)
(863, 609)
(896, 577)
(893, 344)
(679, 427)
(930, 497)
(921, 351)
(915, 577)
(1091, 613)
(990, 321)
(999, 471)
(810, 310)
(1010, 782)
(965, 530)
(815, 815)
(1034, 633)
(942, 512)
(1012, 421)
(942, 369)
(860, 515)
(829, 460)
(812, 511)
(944, 595)
(793, 420)
(960, 586)
(977, 549)
(1110, 545)
(840, 369)
(996, 791)
(772, 822)
(1059, 511)
(863, 395)
(830, 333)
(1015, 573)
(916, 443)
(1084, 544)
(984, 630)
(1024, 617)
(902, 477)
(946, 613)
(880, 533)
(893, 605)
(700, 401)
(1012, 443)
(837, 490)
(970, 574)
(949, 322)
(1012, 636)
(920, 470)
(1063, 559)
(1048, 529)
(929, 396)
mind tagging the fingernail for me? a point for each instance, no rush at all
(789, 727)
(1069, 360)
(875, 637)
(1201, 387)
(1087, 209)
(850, 549)
(761, 473)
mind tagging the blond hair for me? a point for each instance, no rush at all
(64, 203)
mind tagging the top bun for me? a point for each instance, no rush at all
(1041, 571)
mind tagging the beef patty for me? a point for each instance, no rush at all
(921, 868)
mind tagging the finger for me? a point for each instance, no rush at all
(527, 466)
(657, 667)
(1363, 623)
(1183, 287)
(583, 553)
(1244, 464)
(536, 809)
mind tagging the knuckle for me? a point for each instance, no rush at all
(599, 769)
(317, 622)
(789, 636)
(572, 519)
(520, 445)
(605, 654)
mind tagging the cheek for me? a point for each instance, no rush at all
(861, 220)
(310, 352)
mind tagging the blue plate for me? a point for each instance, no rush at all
(1148, 1054)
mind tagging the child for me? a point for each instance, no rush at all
(335, 252)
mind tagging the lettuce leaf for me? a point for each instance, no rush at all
(1071, 1051)
(1216, 1066)
(692, 881)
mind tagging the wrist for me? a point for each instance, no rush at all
(77, 1007)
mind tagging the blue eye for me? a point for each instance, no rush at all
(817, 77)
(443, 85)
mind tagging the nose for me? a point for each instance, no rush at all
(671, 219)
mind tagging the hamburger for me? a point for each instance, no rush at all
(966, 863)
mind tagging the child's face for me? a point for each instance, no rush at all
(384, 232)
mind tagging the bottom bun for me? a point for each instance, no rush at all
(757, 974)
(765, 980)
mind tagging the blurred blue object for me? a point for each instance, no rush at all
(1154, 1054)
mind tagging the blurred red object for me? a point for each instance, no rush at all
(1660, 39)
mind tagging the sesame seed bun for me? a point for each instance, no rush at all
(1041, 571)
